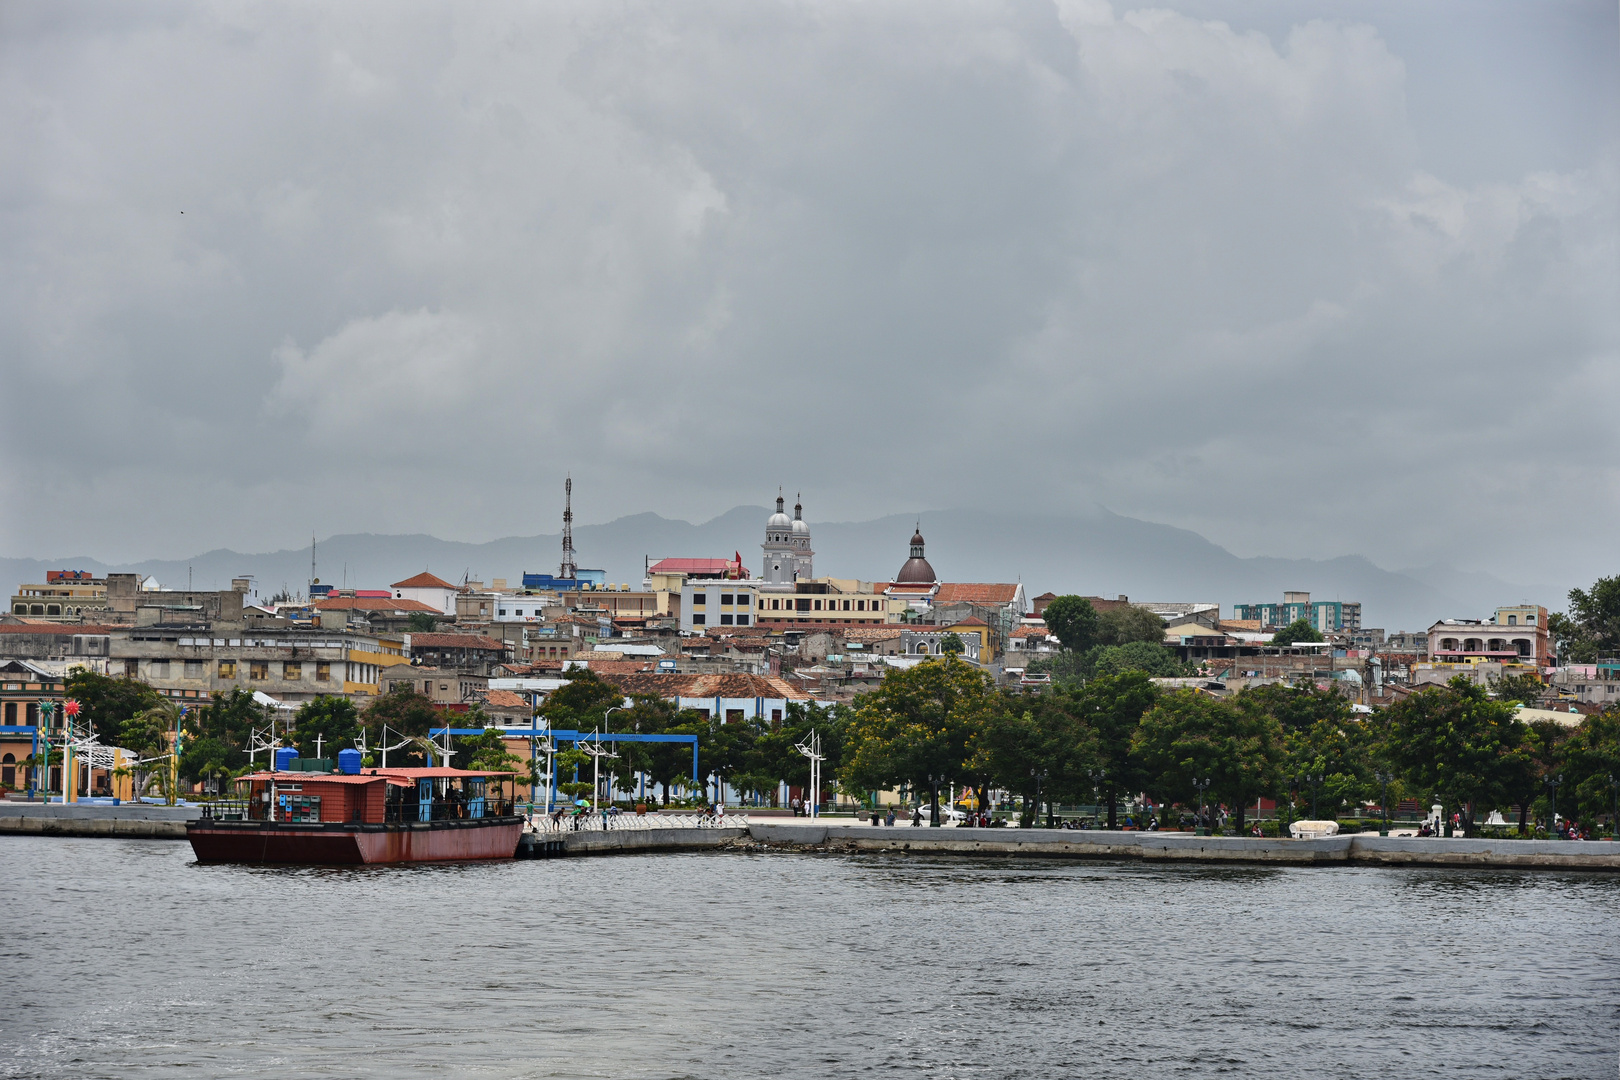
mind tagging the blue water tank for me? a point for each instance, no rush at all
(349, 762)
(285, 756)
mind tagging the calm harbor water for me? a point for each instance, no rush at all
(125, 959)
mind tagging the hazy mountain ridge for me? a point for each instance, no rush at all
(1100, 554)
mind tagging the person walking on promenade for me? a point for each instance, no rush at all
(888, 819)
(916, 817)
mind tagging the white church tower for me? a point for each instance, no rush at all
(788, 556)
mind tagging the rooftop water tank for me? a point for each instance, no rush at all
(349, 762)
(285, 756)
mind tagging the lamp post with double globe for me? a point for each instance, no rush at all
(1202, 786)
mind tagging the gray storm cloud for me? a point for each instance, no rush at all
(274, 270)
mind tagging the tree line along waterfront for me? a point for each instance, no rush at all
(1112, 739)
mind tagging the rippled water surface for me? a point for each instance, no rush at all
(125, 959)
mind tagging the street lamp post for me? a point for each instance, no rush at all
(1202, 786)
(1383, 801)
(1552, 810)
(1097, 778)
(1040, 777)
(933, 810)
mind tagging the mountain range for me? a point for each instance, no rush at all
(1100, 553)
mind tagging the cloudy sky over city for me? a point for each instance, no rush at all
(1308, 278)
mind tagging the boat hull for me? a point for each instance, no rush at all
(353, 844)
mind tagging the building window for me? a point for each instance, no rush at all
(726, 598)
(36, 609)
(502, 611)
(323, 671)
(776, 716)
(227, 669)
(160, 669)
(53, 609)
(194, 669)
(699, 619)
(776, 605)
(699, 599)
(742, 620)
(725, 620)
(131, 669)
(258, 670)
(801, 603)
(846, 605)
(818, 605)
(19, 609)
(860, 605)
(292, 669)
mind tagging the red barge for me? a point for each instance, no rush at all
(364, 817)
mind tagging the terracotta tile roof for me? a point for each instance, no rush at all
(961, 592)
(870, 633)
(1249, 625)
(505, 699)
(972, 620)
(617, 667)
(1032, 632)
(539, 667)
(667, 685)
(456, 641)
(374, 603)
(424, 580)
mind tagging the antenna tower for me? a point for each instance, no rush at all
(568, 571)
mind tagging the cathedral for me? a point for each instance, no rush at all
(788, 557)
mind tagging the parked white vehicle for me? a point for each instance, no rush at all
(948, 818)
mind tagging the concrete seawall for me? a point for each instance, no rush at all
(1358, 849)
(135, 821)
(629, 841)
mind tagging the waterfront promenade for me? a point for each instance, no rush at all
(145, 821)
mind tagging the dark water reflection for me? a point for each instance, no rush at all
(123, 959)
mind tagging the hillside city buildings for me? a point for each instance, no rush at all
(703, 629)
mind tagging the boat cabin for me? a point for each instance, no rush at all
(373, 796)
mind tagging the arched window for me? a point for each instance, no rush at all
(1522, 646)
(1471, 645)
(922, 648)
(1448, 644)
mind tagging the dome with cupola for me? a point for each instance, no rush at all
(916, 570)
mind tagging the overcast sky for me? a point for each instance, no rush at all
(1308, 278)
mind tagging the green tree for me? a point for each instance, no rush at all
(109, 702)
(1073, 620)
(1322, 737)
(1112, 707)
(951, 645)
(1456, 742)
(397, 715)
(487, 752)
(327, 724)
(583, 702)
(1189, 736)
(1300, 630)
(1591, 629)
(1591, 757)
(1526, 690)
(149, 734)
(217, 735)
(917, 728)
(1127, 624)
(1150, 659)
